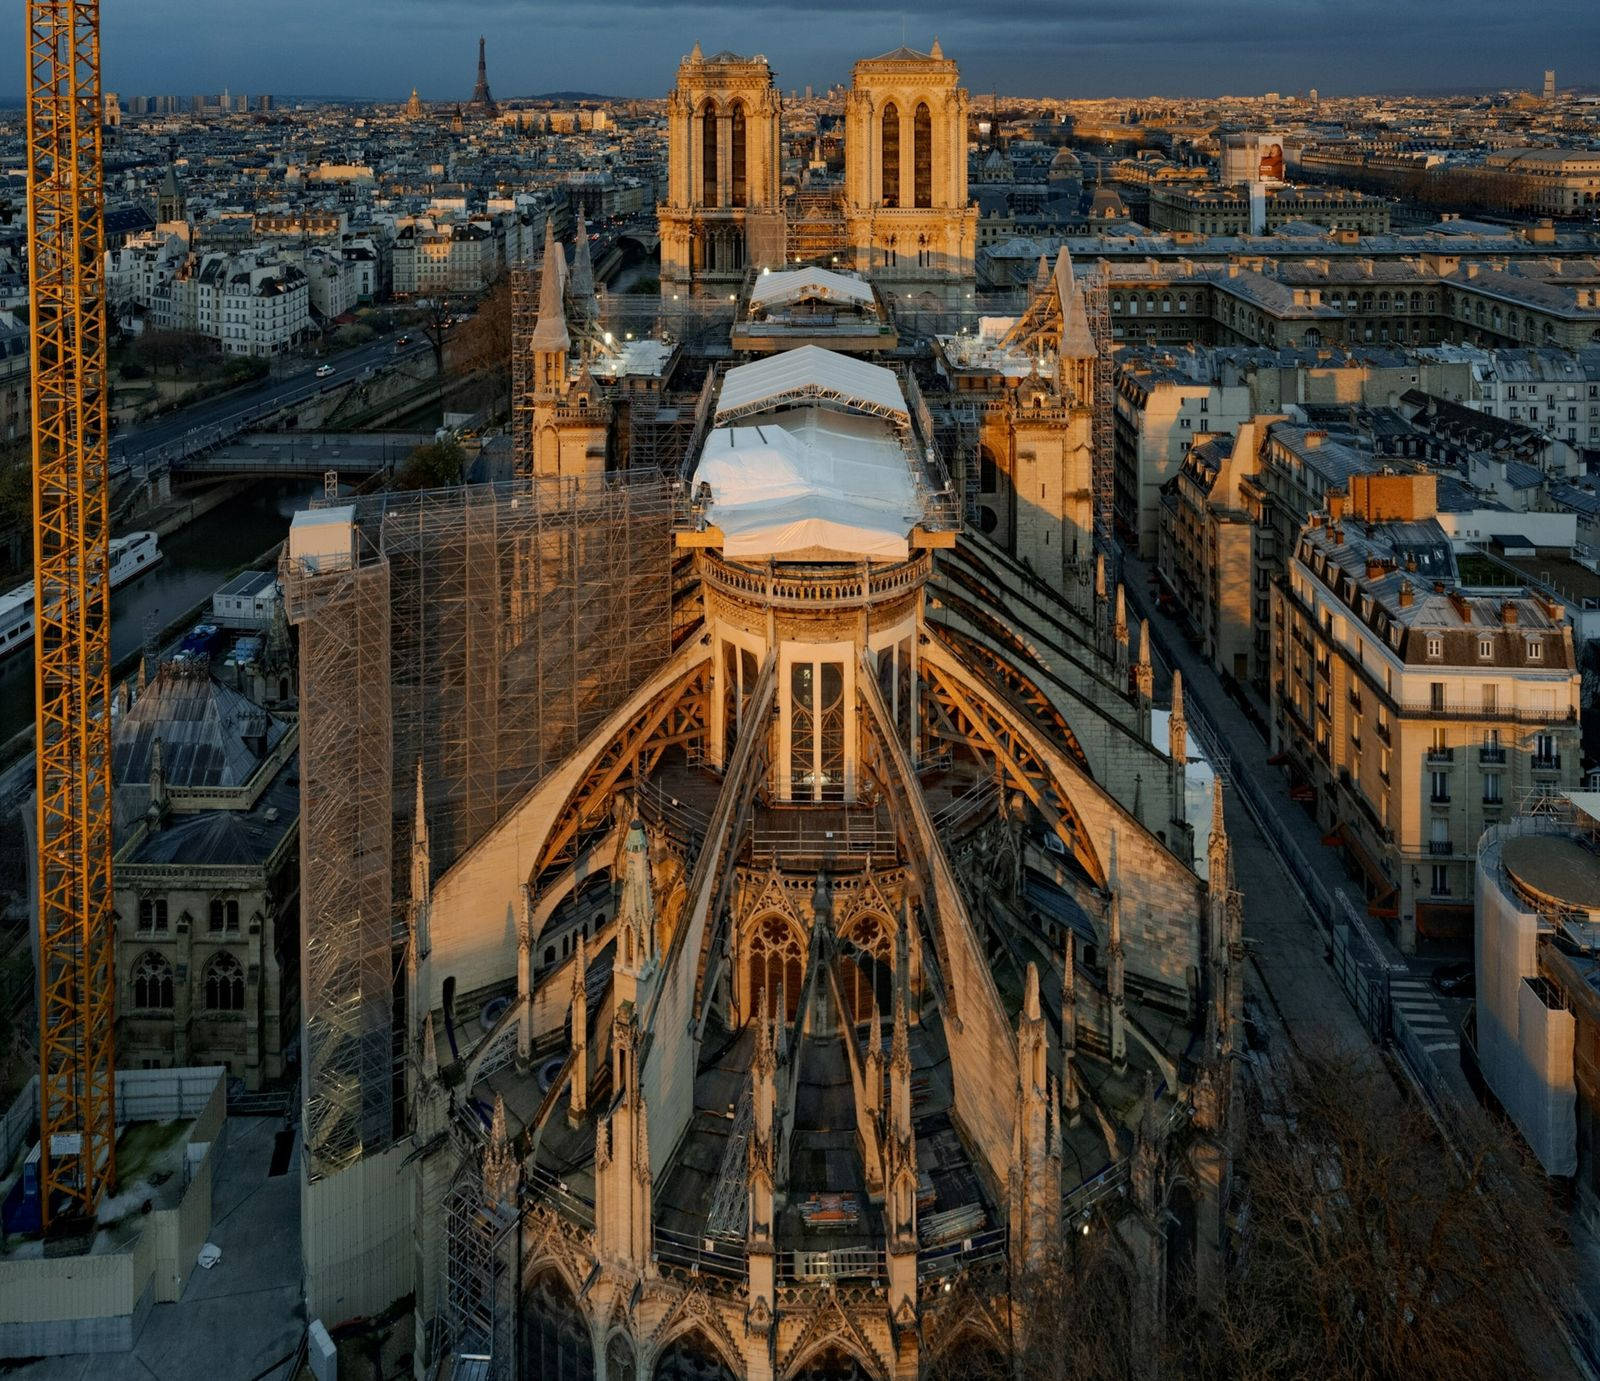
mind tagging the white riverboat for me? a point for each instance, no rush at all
(131, 555)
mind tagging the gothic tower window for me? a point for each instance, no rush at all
(224, 985)
(708, 154)
(152, 983)
(922, 155)
(890, 185)
(736, 156)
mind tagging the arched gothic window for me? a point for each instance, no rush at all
(152, 983)
(708, 154)
(866, 968)
(736, 157)
(922, 155)
(224, 984)
(889, 185)
(775, 964)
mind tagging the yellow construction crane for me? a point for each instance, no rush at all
(72, 608)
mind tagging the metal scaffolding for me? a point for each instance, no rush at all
(486, 631)
(524, 317)
(480, 1273)
(1096, 303)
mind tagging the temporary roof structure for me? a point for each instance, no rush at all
(788, 286)
(810, 482)
(811, 374)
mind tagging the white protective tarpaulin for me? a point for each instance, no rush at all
(816, 481)
(811, 373)
(788, 286)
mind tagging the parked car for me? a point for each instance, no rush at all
(1456, 979)
(324, 370)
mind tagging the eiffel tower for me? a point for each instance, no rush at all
(482, 102)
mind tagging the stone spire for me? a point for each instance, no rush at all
(872, 1075)
(1115, 975)
(1069, 1028)
(158, 783)
(636, 917)
(1041, 277)
(578, 1100)
(1177, 726)
(1034, 1198)
(1119, 631)
(430, 1049)
(580, 288)
(1182, 835)
(550, 340)
(1144, 673)
(500, 1169)
(900, 1072)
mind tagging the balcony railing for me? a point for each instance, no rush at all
(1546, 762)
(1355, 700)
(1438, 799)
(1441, 848)
(1382, 728)
(1441, 755)
(1509, 714)
(1491, 757)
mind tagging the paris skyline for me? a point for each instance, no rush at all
(380, 49)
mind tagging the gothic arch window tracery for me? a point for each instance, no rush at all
(152, 983)
(889, 183)
(224, 984)
(708, 153)
(866, 966)
(775, 963)
(737, 156)
(922, 156)
(555, 1335)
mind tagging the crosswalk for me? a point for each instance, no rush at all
(1413, 1003)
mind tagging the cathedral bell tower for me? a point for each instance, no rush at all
(907, 215)
(724, 209)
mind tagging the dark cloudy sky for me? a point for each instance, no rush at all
(381, 48)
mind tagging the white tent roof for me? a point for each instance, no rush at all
(811, 374)
(794, 285)
(817, 480)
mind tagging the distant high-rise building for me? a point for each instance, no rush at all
(264, 103)
(1313, 97)
(1550, 84)
(482, 103)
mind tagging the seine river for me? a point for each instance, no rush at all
(194, 562)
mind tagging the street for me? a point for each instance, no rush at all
(160, 439)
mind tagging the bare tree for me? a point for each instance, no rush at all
(1374, 1248)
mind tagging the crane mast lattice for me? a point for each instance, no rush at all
(72, 608)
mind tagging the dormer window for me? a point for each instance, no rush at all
(1535, 649)
(1485, 648)
(1435, 647)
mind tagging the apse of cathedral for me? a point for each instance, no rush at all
(861, 944)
